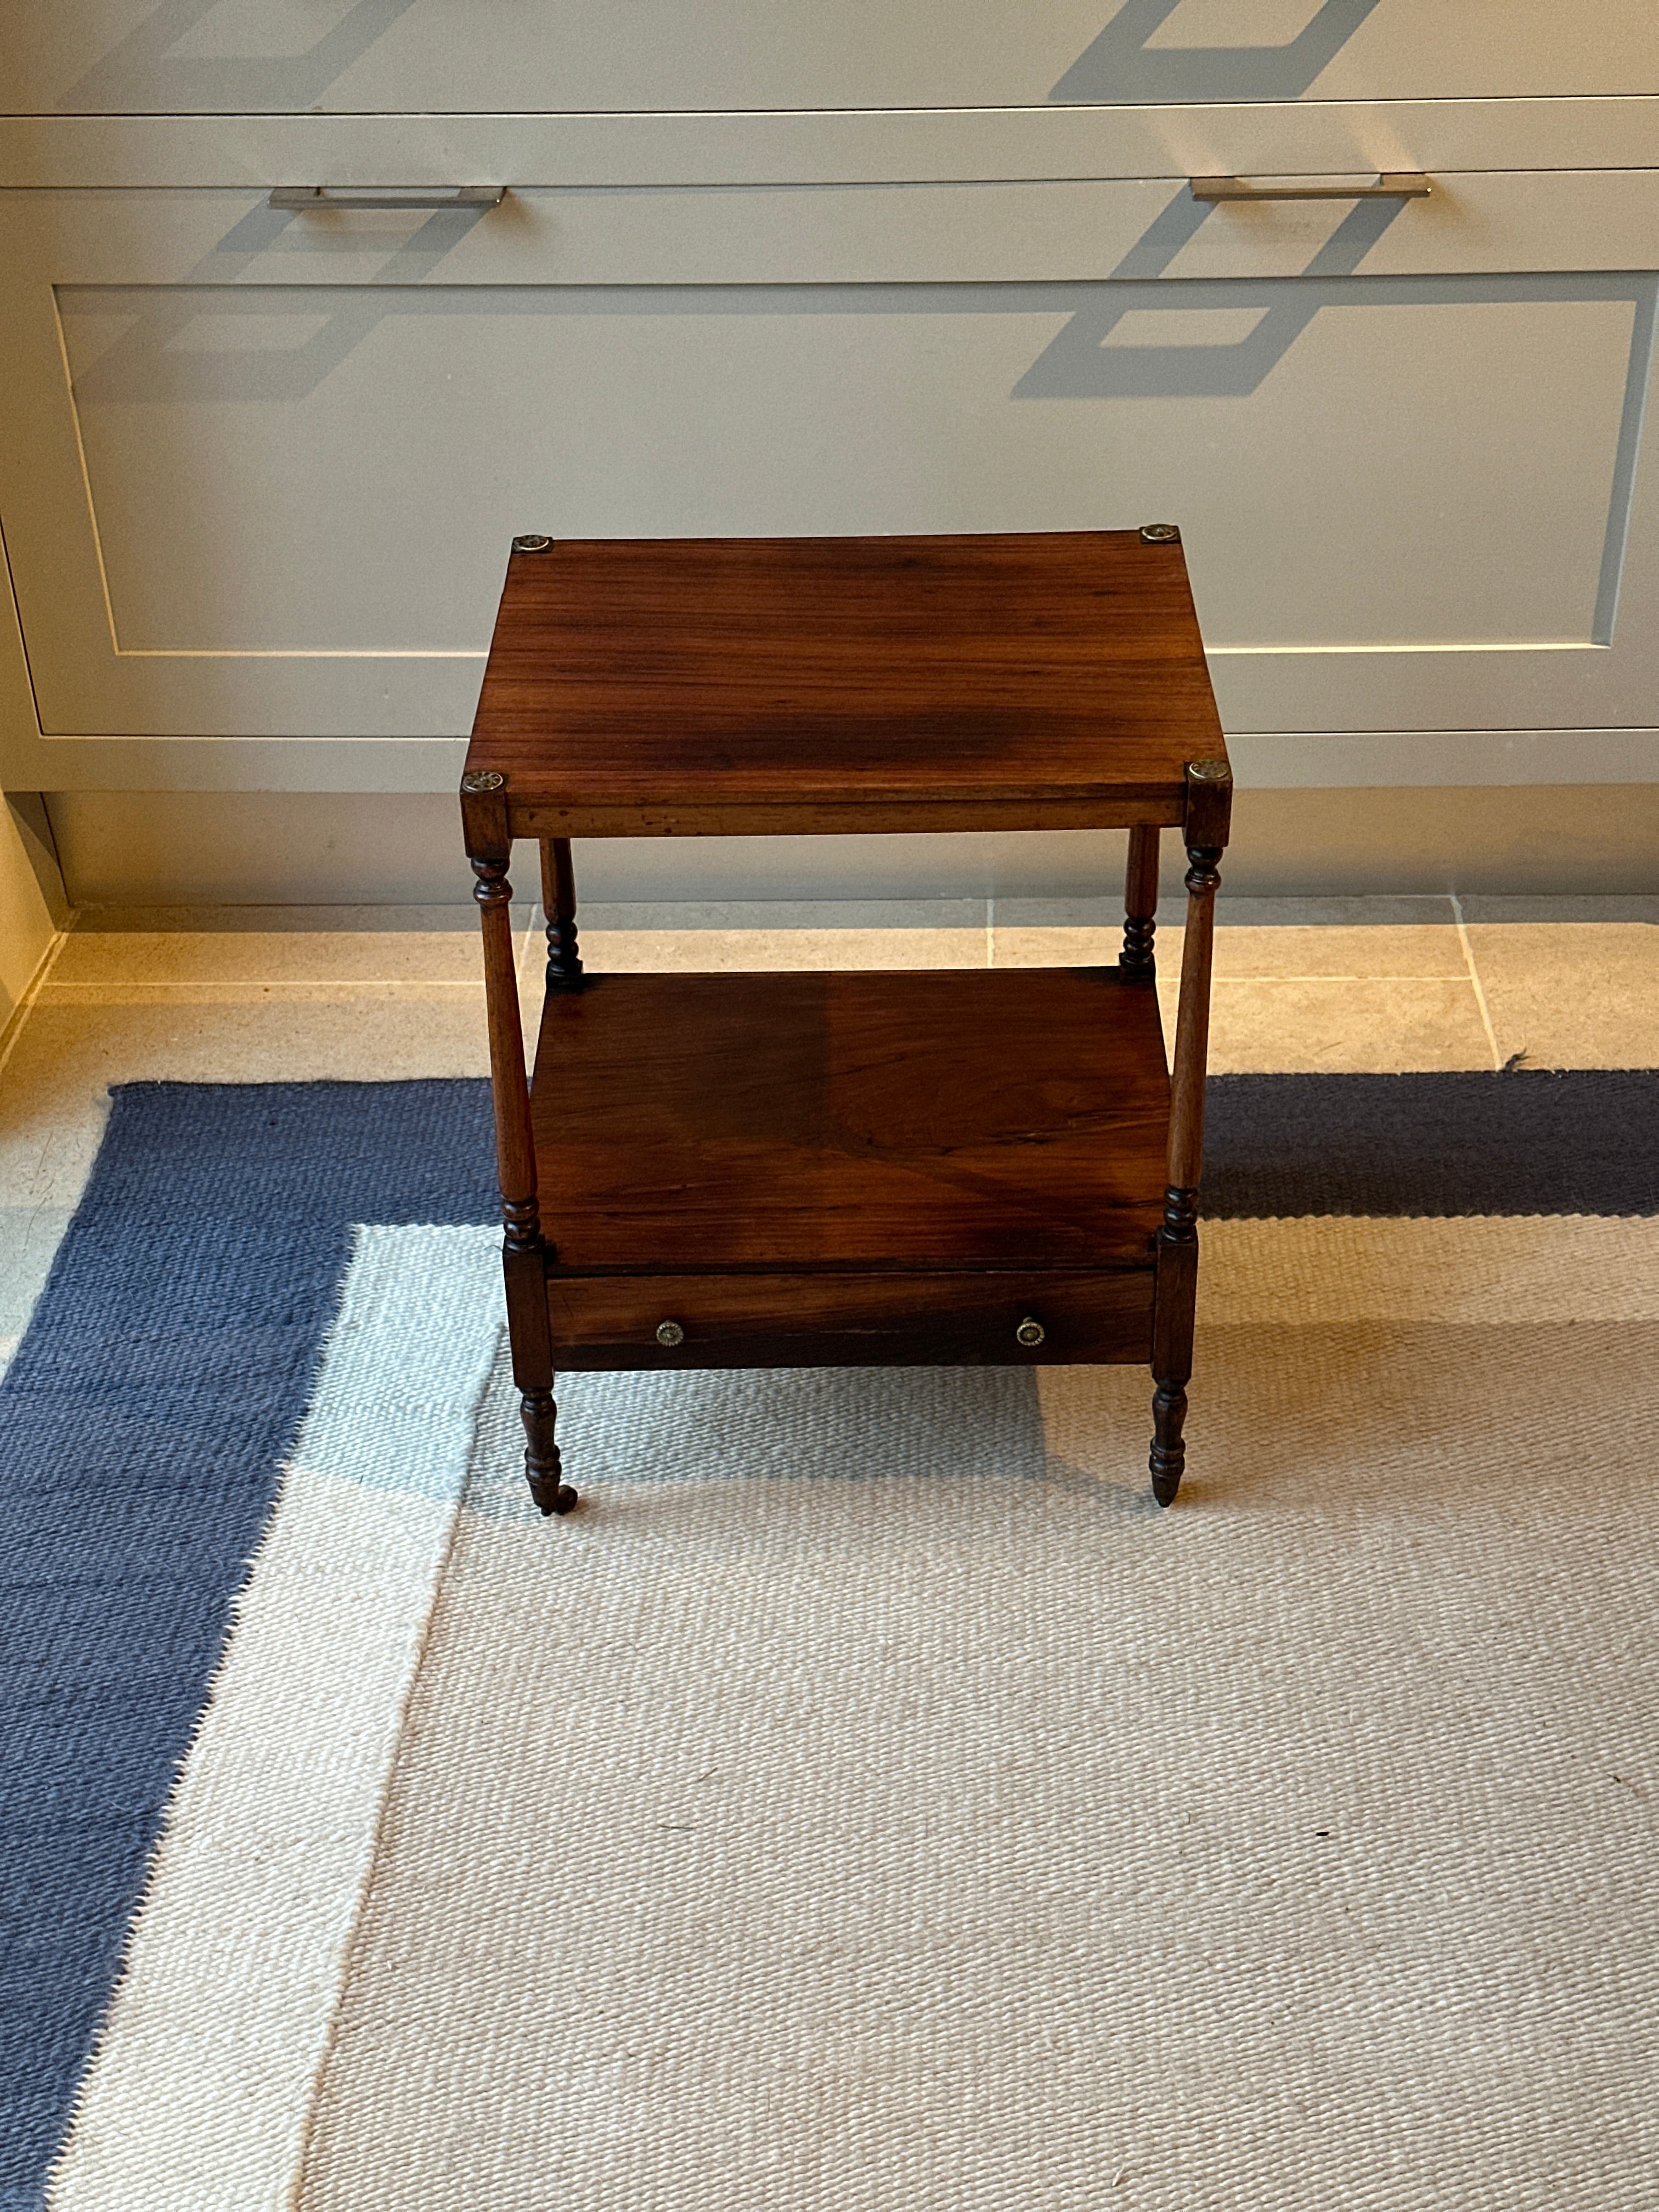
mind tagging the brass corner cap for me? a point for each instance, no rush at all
(482, 779)
(1210, 771)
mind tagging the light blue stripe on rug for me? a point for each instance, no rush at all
(393, 1411)
(793, 1424)
(197, 2098)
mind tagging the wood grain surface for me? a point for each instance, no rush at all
(1002, 1118)
(698, 686)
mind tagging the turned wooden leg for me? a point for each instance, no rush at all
(524, 1254)
(542, 1464)
(1140, 903)
(529, 1338)
(1175, 1303)
(564, 965)
(1168, 1454)
(1174, 1297)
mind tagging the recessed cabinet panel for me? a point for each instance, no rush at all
(1340, 454)
(237, 504)
(240, 57)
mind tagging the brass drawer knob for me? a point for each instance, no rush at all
(1030, 1332)
(670, 1332)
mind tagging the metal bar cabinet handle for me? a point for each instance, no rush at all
(323, 196)
(1390, 185)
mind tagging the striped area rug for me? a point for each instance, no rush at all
(868, 1799)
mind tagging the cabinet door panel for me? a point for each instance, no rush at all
(241, 504)
(231, 57)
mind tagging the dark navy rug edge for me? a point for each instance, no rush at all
(1432, 1146)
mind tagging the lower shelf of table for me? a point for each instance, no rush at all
(946, 1122)
(852, 1320)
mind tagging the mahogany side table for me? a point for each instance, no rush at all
(842, 1170)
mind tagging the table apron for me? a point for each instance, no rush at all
(960, 1318)
(841, 817)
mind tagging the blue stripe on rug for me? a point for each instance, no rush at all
(1527, 1141)
(162, 1381)
(142, 1422)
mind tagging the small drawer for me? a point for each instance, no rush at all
(963, 1320)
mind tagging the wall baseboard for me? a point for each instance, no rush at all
(33, 909)
(309, 848)
(16, 1010)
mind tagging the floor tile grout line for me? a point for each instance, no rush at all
(525, 949)
(1474, 980)
(51, 990)
(271, 983)
(1445, 975)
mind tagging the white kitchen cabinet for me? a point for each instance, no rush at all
(264, 466)
(847, 266)
(353, 56)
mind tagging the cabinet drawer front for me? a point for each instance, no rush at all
(296, 56)
(260, 469)
(850, 1320)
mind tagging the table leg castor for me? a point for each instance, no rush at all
(1168, 1458)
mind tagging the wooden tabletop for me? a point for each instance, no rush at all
(674, 686)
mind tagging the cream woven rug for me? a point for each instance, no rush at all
(869, 1802)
